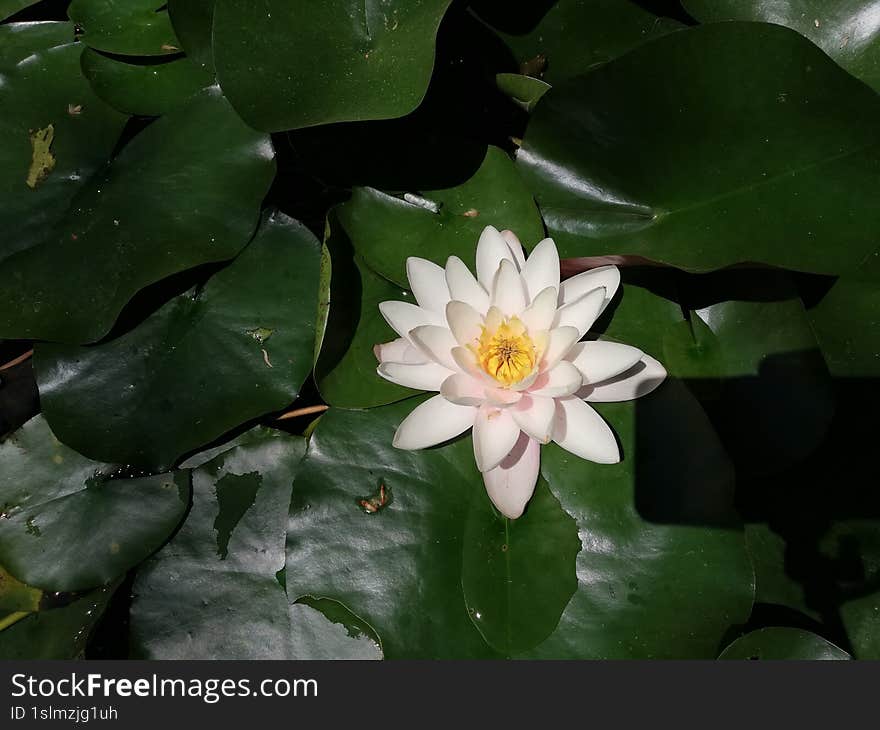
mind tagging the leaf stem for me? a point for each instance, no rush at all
(17, 361)
(12, 618)
(302, 412)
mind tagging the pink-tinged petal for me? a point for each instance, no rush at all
(510, 485)
(437, 343)
(562, 379)
(405, 317)
(516, 248)
(542, 268)
(645, 376)
(433, 422)
(492, 249)
(495, 434)
(579, 429)
(601, 360)
(559, 342)
(463, 390)
(428, 283)
(582, 312)
(399, 350)
(464, 287)
(539, 314)
(508, 291)
(574, 288)
(465, 322)
(426, 376)
(527, 381)
(501, 397)
(535, 415)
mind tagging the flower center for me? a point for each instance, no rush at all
(507, 352)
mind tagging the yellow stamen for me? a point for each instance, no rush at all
(505, 350)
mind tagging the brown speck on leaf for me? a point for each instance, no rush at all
(266, 357)
(472, 213)
(372, 504)
(42, 159)
(74, 109)
(167, 47)
(534, 67)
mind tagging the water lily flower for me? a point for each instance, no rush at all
(504, 352)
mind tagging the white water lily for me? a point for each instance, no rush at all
(504, 352)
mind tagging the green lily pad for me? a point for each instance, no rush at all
(400, 568)
(352, 60)
(44, 88)
(436, 224)
(846, 30)
(193, 22)
(518, 575)
(70, 523)
(147, 88)
(126, 27)
(780, 642)
(59, 633)
(708, 151)
(572, 36)
(185, 191)
(213, 592)
(346, 367)
(207, 361)
(663, 572)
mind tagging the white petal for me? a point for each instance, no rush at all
(562, 379)
(581, 313)
(574, 288)
(542, 268)
(405, 317)
(467, 362)
(535, 415)
(492, 249)
(463, 390)
(433, 422)
(559, 342)
(428, 283)
(501, 397)
(399, 350)
(601, 360)
(464, 287)
(427, 376)
(516, 248)
(645, 376)
(465, 322)
(495, 434)
(508, 291)
(510, 485)
(540, 313)
(580, 430)
(437, 343)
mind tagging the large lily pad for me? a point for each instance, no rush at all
(44, 90)
(119, 234)
(207, 361)
(147, 88)
(846, 30)
(780, 642)
(704, 148)
(126, 27)
(353, 60)
(213, 592)
(663, 572)
(571, 36)
(400, 568)
(70, 523)
(436, 224)
(8, 8)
